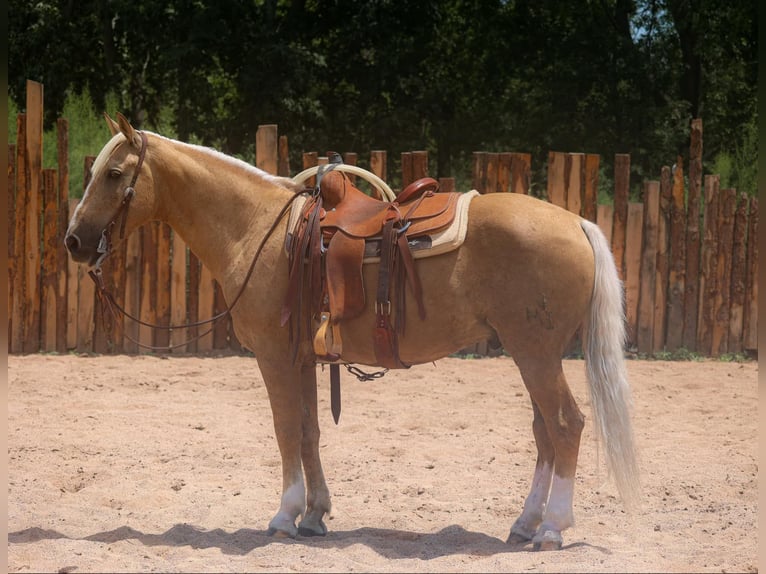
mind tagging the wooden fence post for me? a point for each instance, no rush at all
(32, 285)
(178, 279)
(663, 264)
(18, 312)
(648, 272)
(11, 238)
(621, 197)
(267, 148)
(407, 176)
(49, 277)
(750, 338)
(193, 302)
(504, 171)
(737, 294)
(556, 185)
(479, 171)
(708, 282)
(521, 172)
(133, 255)
(206, 307)
(726, 209)
(691, 286)
(677, 258)
(605, 220)
(62, 155)
(378, 161)
(590, 186)
(633, 236)
(149, 282)
(162, 336)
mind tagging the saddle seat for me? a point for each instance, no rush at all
(327, 251)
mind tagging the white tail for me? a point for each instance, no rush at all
(604, 341)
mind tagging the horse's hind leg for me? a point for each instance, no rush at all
(558, 425)
(526, 525)
(318, 496)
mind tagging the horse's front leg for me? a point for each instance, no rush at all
(283, 384)
(318, 498)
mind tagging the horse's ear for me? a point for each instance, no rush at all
(128, 131)
(114, 127)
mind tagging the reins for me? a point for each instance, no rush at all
(107, 300)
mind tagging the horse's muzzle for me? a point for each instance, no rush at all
(79, 253)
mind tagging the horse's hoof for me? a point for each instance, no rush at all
(516, 539)
(519, 535)
(282, 529)
(308, 532)
(279, 533)
(547, 540)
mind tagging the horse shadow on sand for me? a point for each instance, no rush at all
(389, 543)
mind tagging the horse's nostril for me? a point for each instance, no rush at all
(72, 243)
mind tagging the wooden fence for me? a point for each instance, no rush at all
(690, 281)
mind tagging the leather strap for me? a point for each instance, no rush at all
(335, 391)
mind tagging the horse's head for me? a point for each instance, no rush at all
(118, 198)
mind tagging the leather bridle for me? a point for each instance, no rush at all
(105, 243)
(109, 305)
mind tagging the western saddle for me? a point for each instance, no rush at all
(339, 226)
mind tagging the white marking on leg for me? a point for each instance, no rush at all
(294, 499)
(292, 505)
(558, 513)
(534, 506)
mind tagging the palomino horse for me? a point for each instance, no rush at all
(529, 273)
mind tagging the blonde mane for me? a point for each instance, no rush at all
(112, 144)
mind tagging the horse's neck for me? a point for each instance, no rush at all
(220, 207)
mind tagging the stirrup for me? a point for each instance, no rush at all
(327, 341)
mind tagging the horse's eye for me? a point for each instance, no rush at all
(115, 173)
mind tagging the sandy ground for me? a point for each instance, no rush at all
(147, 464)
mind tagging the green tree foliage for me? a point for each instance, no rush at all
(450, 76)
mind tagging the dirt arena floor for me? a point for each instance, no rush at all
(144, 464)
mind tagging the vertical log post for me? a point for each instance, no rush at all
(267, 148)
(575, 170)
(750, 342)
(11, 237)
(521, 172)
(677, 258)
(590, 186)
(162, 336)
(32, 285)
(18, 312)
(49, 276)
(633, 237)
(691, 285)
(708, 282)
(661, 291)
(738, 263)
(621, 196)
(726, 210)
(62, 154)
(648, 277)
(378, 163)
(556, 185)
